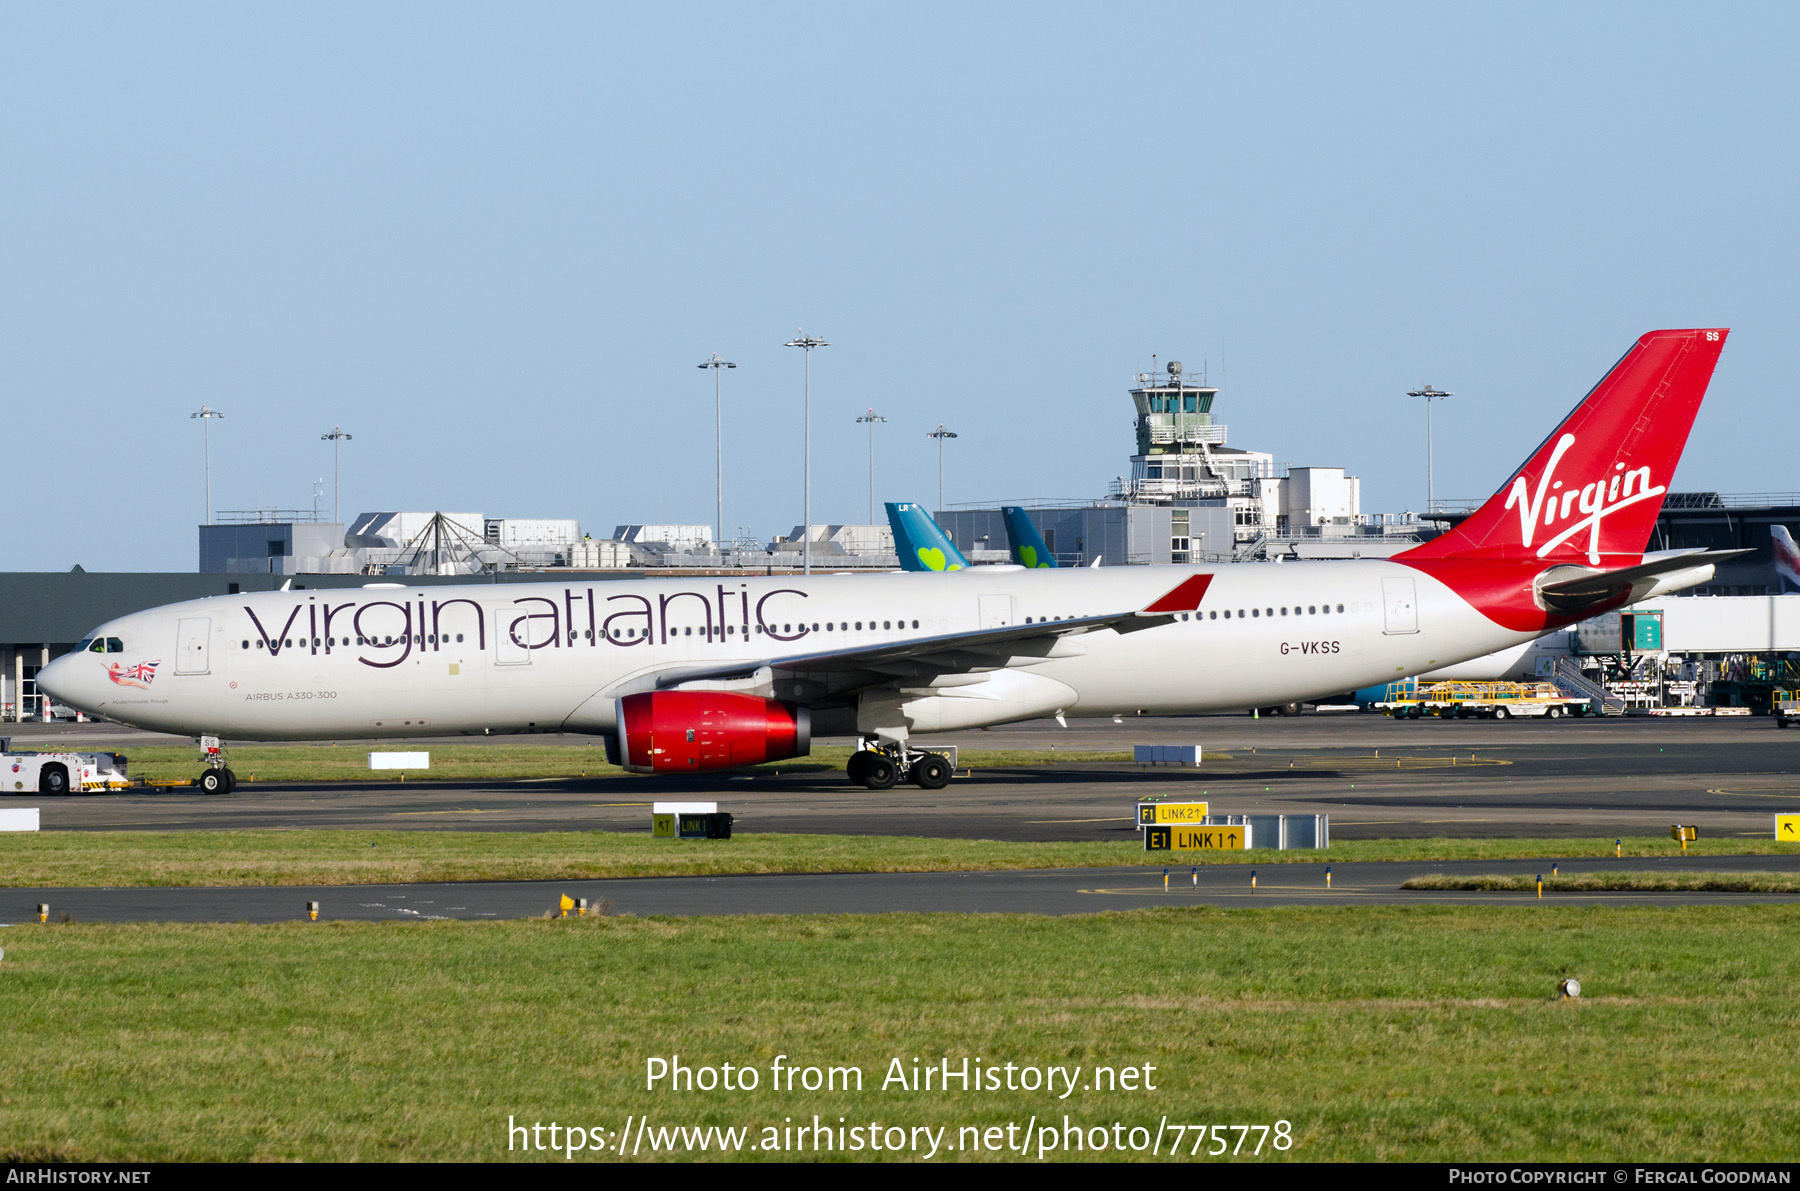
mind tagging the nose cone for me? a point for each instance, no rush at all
(53, 680)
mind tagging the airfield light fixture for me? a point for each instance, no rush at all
(941, 434)
(206, 414)
(715, 363)
(336, 438)
(806, 343)
(1430, 394)
(871, 418)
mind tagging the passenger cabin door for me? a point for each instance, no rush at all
(1401, 605)
(512, 636)
(996, 611)
(191, 634)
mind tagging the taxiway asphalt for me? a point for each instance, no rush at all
(1038, 891)
(1374, 776)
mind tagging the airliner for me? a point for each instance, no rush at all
(1787, 558)
(690, 675)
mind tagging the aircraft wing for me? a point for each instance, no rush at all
(1595, 588)
(834, 672)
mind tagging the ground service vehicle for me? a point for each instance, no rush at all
(59, 773)
(1480, 700)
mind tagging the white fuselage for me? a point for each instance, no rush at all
(553, 656)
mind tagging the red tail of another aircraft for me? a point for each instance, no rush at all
(1589, 495)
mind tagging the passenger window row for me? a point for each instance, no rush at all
(1242, 614)
(327, 642)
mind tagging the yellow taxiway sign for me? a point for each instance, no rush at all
(1176, 837)
(1171, 812)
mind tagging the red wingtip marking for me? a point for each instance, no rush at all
(1185, 597)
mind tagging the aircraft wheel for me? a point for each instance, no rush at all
(931, 773)
(53, 781)
(230, 781)
(1288, 709)
(1501, 713)
(211, 782)
(857, 768)
(879, 773)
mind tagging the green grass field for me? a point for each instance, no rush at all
(344, 857)
(1628, 882)
(1380, 1034)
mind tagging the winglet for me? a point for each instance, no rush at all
(1183, 597)
(921, 542)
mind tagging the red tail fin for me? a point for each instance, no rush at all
(1590, 494)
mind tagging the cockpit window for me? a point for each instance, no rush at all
(87, 643)
(114, 645)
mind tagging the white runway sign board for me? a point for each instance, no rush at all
(399, 760)
(20, 819)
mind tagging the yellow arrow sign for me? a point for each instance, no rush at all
(1787, 828)
(1179, 838)
(1171, 812)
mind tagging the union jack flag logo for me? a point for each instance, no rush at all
(141, 674)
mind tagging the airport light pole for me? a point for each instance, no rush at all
(1430, 394)
(335, 438)
(206, 414)
(806, 343)
(715, 363)
(871, 418)
(941, 434)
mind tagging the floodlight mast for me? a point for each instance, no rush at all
(871, 418)
(336, 438)
(806, 343)
(1430, 394)
(206, 414)
(715, 363)
(941, 434)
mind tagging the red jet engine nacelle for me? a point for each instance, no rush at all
(688, 731)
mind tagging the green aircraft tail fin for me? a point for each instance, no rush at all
(1028, 549)
(921, 542)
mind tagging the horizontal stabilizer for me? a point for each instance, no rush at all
(1566, 593)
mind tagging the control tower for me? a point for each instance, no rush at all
(1181, 452)
(1174, 417)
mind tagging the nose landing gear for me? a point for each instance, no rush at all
(216, 778)
(216, 781)
(879, 766)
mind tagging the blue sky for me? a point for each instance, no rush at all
(492, 242)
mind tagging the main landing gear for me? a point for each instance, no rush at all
(879, 766)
